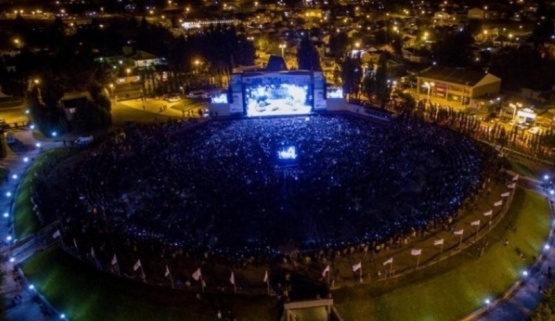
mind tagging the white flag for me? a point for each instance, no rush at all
(475, 223)
(459, 232)
(56, 234)
(511, 186)
(415, 252)
(389, 261)
(438, 242)
(266, 277)
(326, 270)
(488, 213)
(167, 272)
(232, 278)
(357, 266)
(114, 260)
(197, 275)
(498, 203)
(506, 194)
(92, 252)
(515, 178)
(137, 265)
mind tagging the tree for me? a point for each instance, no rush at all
(307, 55)
(351, 72)
(382, 83)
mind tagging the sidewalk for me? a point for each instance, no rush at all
(20, 300)
(519, 301)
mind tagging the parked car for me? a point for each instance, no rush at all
(534, 130)
(172, 98)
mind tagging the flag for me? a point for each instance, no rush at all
(506, 194)
(511, 186)
(137, 265)
(415, 252)
(266, 277)
(475, 223)
(56, 234)
(488, 213)
(92, 252)
(438, 242)
(357, 266)
(114, 260)
(498, 203)
(326, 270)
(167, 272)
(515, 178)
(459, 232)
(197, 275)
(390, 261)
(232, 278)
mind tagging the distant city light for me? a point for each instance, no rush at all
(6, 214)
(25, 159)
(487, 301)
(12, 259)
(546, 177)
(8, 194)
(32, 126)
(9, 238)
(546, 247)
(54, 134)
(14, 176)
(38, 145)
(31, 287)
(524, 273)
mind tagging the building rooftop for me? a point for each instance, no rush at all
(453, 75)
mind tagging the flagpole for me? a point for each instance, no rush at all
(418, 260)
(268, 285)
(441, 249)
(143, 273)
(202, 283)
(329, 272)
(460, 241)
(391, 268)
(360, 274)
(477, 231)
(170, 275)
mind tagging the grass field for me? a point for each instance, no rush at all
(457, 286)
(84, 294)
(446, 291)
(26, 222)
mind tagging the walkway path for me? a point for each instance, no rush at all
(20, 300)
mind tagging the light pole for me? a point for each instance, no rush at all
(515, 108)
(282, 46)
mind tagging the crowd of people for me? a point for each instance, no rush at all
(218, 188)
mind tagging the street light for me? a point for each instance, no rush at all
(282, 46)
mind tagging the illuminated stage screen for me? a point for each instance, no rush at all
(278, 94)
